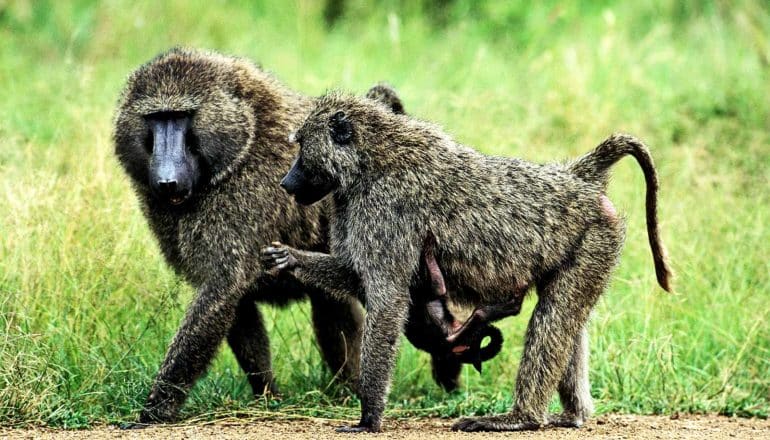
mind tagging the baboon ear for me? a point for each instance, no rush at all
(341, 128)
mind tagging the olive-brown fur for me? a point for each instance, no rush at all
(241, 119)
(501, 225)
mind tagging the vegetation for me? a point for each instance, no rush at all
(87, 305)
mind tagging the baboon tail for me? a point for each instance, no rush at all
(595, 167)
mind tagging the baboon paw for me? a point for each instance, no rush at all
(276, 258)
(565, 420)
(494, 423)
(356, 429)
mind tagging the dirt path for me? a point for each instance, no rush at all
(606, 427)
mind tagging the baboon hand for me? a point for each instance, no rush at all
(277, 257)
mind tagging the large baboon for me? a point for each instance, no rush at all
(501, 226)
(204, 139)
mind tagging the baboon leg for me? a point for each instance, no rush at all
(565, 303)
(383, 325)
(315, 269)
(251, 346)
(338, 324)
(574, 388)
(446, 371)
(205, 325)
(485, 315)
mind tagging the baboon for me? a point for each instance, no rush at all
(430, 326)
(203, 138)
(384, 94)
(497, 221)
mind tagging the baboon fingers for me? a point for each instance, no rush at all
(278, 261)
(275, 250)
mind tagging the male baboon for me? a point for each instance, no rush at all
(204, 139)
(497, 222)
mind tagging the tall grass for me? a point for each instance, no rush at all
(87, 305)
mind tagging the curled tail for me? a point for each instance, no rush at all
(595, 167)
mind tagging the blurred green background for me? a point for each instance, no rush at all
(87, 305)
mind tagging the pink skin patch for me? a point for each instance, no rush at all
(608, 208)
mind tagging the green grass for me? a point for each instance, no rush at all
(87, 305)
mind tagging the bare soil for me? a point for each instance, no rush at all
(604, 427)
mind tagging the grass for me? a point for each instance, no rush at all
(87, 305)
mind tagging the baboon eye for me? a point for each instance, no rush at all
(193, 144)
(148, 141)
(341, 129)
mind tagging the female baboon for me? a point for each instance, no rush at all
(498, 222)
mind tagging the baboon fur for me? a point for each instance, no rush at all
(240, 117)
(501, 225)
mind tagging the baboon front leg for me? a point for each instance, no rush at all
(205, 325)
(574, 388)
(338, 325)
(385, 318)
(321, 271)
(251, 346)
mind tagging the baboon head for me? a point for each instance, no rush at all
(183, 123)
(337, 144)
(386, 95)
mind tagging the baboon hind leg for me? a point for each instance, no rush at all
(338, 325)
(574, 388)
(564, 305)
(251, 346)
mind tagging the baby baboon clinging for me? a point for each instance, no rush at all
(204, 139)
(430, 326)
(497, 222)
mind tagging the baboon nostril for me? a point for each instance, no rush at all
(167, 186)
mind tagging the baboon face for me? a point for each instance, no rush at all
(326, 158)
(175, 163)
(177, 131)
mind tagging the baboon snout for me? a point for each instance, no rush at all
(287, 185)
(169, 189)
(174, 166)
(294, 179)
(305, 188)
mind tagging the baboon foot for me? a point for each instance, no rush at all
(261, 389)
(356, 429)
(134, 425)
(566, 420)
(162, 406)
(277, 257)
(505, 422)
(367, 424)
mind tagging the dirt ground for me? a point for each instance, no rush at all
(604, 427)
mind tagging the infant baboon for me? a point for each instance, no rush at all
(203, 138)
(497, 222)
(430, 325)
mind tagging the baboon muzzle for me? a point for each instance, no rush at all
(306, 191)
(173, 168)
(294, 180)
